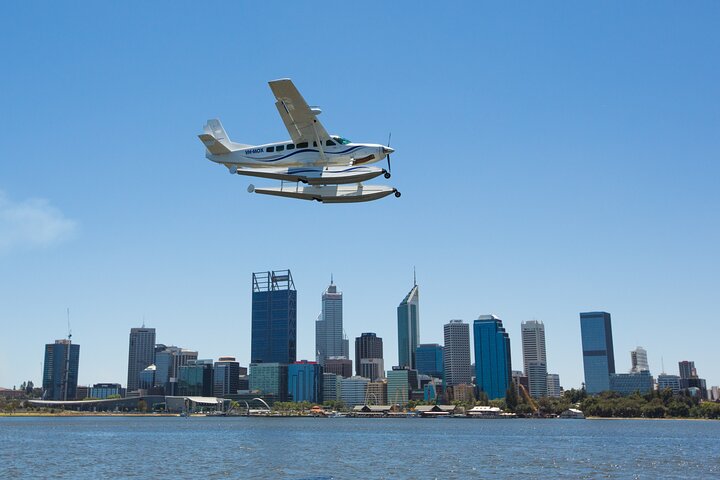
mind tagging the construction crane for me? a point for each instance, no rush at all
(533, 404)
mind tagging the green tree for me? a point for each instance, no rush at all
(511, 398)
(678, 409)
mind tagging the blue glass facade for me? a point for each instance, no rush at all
(305, 382)
(493, 368)
(408, 328)
(429, 359)
(274, 318)
(598, 355)
(60, 370)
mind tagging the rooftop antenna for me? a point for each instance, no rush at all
(68, 322)
(414, 277)
(331, 278)
(143, 325)
(662, 363)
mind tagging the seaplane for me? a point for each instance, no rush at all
(312, 165)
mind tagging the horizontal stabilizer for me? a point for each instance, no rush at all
(213, 145)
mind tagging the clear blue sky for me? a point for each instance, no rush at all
(553, 158)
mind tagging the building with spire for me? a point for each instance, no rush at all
(141, 354)
(60, 370)
(408, 324)
(329, 333)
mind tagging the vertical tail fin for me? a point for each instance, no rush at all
(215, 128)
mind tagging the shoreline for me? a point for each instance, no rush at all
(151, 415)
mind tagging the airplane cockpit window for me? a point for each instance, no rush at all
(290, 147)
(341, 140)
(329, 143)
(302, 145)
(280, 148)
(270, 149)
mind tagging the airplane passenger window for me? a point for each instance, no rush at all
(314, 144)
(329, 143)
(280, 148)
(270, 149)
(290, 147)
(302, 145)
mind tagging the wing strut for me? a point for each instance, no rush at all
(320, 145)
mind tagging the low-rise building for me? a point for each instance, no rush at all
(628, 383)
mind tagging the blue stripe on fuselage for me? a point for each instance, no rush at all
(306, 150)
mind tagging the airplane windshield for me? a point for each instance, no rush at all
(341, 140)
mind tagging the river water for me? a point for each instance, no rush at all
(347, 448)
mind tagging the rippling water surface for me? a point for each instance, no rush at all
(344, 448)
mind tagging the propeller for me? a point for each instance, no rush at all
(387, 175)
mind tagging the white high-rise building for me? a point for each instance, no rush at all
(554, 389)
(456, 355)
(534, 357)
(329, 339)
(639, 361)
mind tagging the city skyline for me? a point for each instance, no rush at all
(591, 187)
(138, 333)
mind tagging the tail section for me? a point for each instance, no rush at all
(216, 139)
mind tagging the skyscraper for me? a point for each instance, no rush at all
(274, 318)
(687, 369)
(305, 381)
(60, 370)
(639, 361)
(141, 354)
(597, 345)
(408, 315)
(429, 359)
(493, 368)
(226, 377)
(369, 361)
(329, 339)
(534, 356)
(456, 355)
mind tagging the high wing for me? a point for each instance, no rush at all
(300, 120)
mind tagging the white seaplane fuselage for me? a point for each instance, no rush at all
(338, 161)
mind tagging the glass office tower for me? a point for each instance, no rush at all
(274, 318)
(597, 345)
(493, 368)
(305, 381)
(329, 339)
(408, 328)
(429, 359)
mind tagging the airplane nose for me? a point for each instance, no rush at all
(388, 150)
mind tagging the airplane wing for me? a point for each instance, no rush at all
(300, 120)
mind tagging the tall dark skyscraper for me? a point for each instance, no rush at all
(60, 370)
(408, 323)
(493, 367)
(597, 345)
(369, 361)
(329, 339)
(274, 318)
(141, 354)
